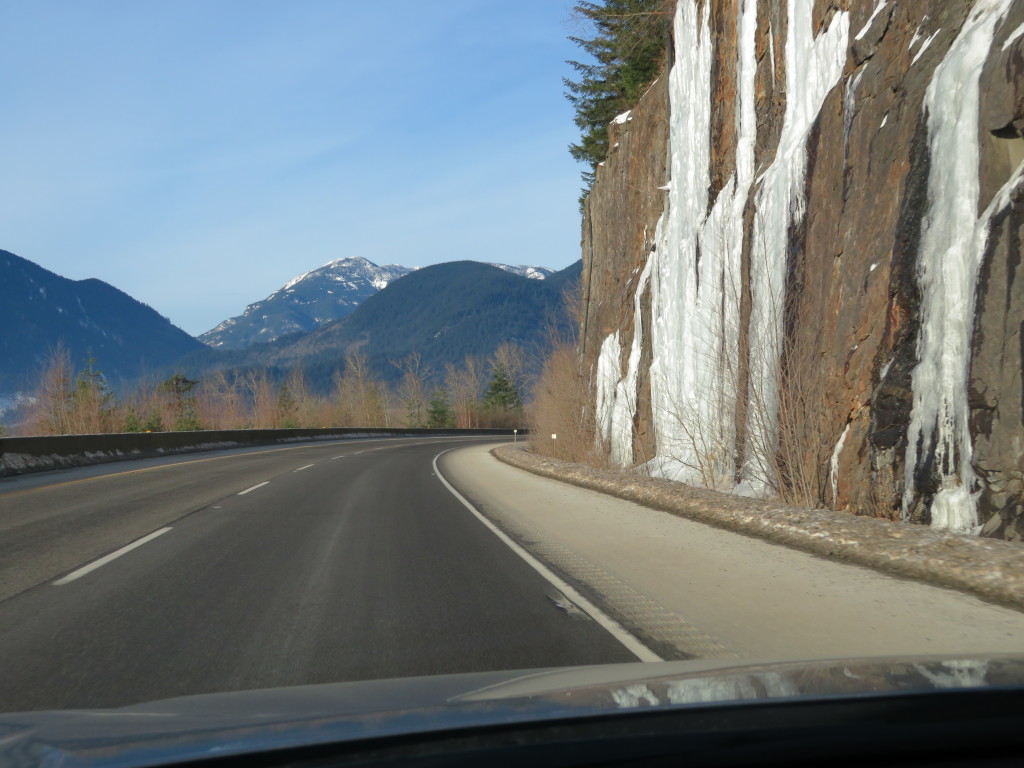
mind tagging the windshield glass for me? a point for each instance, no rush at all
(347, 342)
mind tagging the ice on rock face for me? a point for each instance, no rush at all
(1013, 36)
(879, 5)
(813, 67)
(695, 271)
(923, 48)
(834, 463)
(616, 397)
(953, 239)
(607, 375)
(674, 294)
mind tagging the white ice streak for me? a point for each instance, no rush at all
(952, 245)
(834, 463)
(622, 119)
(607, 377)
(616, 396)
(863, 30)
(1013, 37)
(923, 48)
(696, 266)
(813, 67)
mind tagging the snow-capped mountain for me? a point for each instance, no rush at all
(524, 270)
(317, 297)
(305, 302)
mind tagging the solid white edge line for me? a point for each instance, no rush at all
(107, 558)
(302, 468)
(613, 627)
(258, 485)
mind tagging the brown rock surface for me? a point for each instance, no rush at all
(853, 304)
(627, 193)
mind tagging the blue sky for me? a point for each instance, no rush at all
(199, 153)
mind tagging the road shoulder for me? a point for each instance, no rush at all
(989, 568)
(692, 590)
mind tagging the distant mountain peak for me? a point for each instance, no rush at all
(526, 270)
(317, 297)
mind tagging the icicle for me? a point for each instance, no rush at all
(813, 67)
(625, 392)
(878, 7)
(607, 376)
(616, 397)
(952, 245)
(674, 289)
(834, 464)
(696, 280)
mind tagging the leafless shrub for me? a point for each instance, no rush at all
(563, 397)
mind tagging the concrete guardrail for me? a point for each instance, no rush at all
(20, 455)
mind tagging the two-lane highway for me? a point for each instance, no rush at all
(258, 568)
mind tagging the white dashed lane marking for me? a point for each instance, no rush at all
(250, 490)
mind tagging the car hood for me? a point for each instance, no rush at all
(223, 724)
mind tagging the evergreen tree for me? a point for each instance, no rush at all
(440, 414)
(626, 51)
(154, 422)
(132, 423)
(91, 400)
(502, 392)
(183, 402)
(286, 408)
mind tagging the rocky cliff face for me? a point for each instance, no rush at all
(802, 260)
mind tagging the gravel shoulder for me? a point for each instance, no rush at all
(989, 568)
(690, 590)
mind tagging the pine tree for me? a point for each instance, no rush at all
(627, 50)
(132, 423)
(92, 400)
(183, 402)
(502, 392)
(154, 422)
(439, 413)
(286, 408)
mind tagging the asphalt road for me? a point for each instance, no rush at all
(260, 568)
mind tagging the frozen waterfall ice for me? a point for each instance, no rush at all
(952, 244)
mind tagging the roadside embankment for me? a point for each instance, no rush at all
(21, 455)
(989, 568)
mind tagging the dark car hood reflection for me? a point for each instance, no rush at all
(223, 724)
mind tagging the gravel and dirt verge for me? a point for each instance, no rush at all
(988, 568)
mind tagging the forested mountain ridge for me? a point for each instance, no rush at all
(443, 312)
(316, 298)
(40, 309)
(304, 303)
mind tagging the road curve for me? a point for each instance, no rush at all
(258, 568)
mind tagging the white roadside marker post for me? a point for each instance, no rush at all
(553, 438)
(515, 435)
